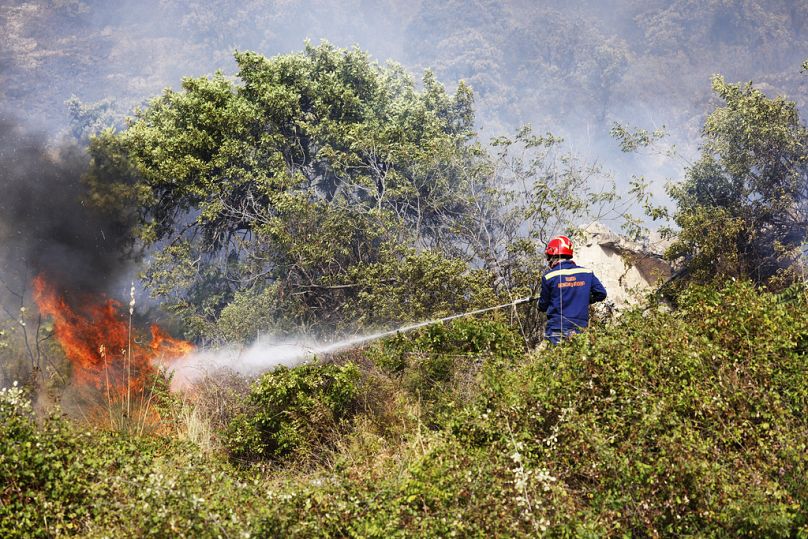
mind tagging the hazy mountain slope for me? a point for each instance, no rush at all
(563, 65)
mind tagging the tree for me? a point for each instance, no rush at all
(742, 207)
(332, 192)
(309, 165)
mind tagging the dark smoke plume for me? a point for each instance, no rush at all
(46, 223)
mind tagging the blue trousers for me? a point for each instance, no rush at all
(556, 336)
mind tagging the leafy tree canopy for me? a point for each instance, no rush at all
(306, 166)
(743, 207)
(317, 184)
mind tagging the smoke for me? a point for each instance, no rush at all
(47, 225)
(267, 353)
(570, 67)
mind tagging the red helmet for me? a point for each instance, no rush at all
(559, 246)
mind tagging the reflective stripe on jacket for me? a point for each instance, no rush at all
(567, 290)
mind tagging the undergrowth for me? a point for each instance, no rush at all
(689, 422)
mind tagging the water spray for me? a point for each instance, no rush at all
(262, 355)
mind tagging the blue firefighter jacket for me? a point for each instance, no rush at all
(567, 290)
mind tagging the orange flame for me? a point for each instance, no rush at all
(96, 340)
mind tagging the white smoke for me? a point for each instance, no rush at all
(261, 356)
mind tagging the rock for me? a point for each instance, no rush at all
(627, 269)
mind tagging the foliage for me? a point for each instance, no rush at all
(287, 181)
(537, 191)
(666, 423)
(448, 490)
(576, 65)
(402, 285)
(591, 59)
(742, 208)
(39, 471)
(58, 480)
(631, 140)
(323, 188)
(528, 190)
(407, 285)
(90, 119)
(438, 365)
(253, 311)
(669, 423)
(294, 411)
(324, 185)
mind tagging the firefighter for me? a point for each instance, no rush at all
(567, 290)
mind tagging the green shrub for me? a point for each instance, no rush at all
(446, 491)
(680, 423)
(438, 365)
(42, 482)
(683, 423)
(56, 480)
(294, 410)
(157, 487)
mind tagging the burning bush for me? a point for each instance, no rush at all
(100, 344)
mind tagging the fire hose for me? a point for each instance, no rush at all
(412, 327)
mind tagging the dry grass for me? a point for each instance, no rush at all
(193, 425)
(206, 408)
(219, 398)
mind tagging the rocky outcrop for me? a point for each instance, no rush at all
(627, 269)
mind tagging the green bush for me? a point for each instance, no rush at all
(57, 480)
(295, 410)
(680, 423)
(684, 423)
(438, 364)
(447, 491)
(157, 487)
(470, 339)
(41, 476)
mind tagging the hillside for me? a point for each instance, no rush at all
(165, 284)
(570, 67)
(684, 422)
